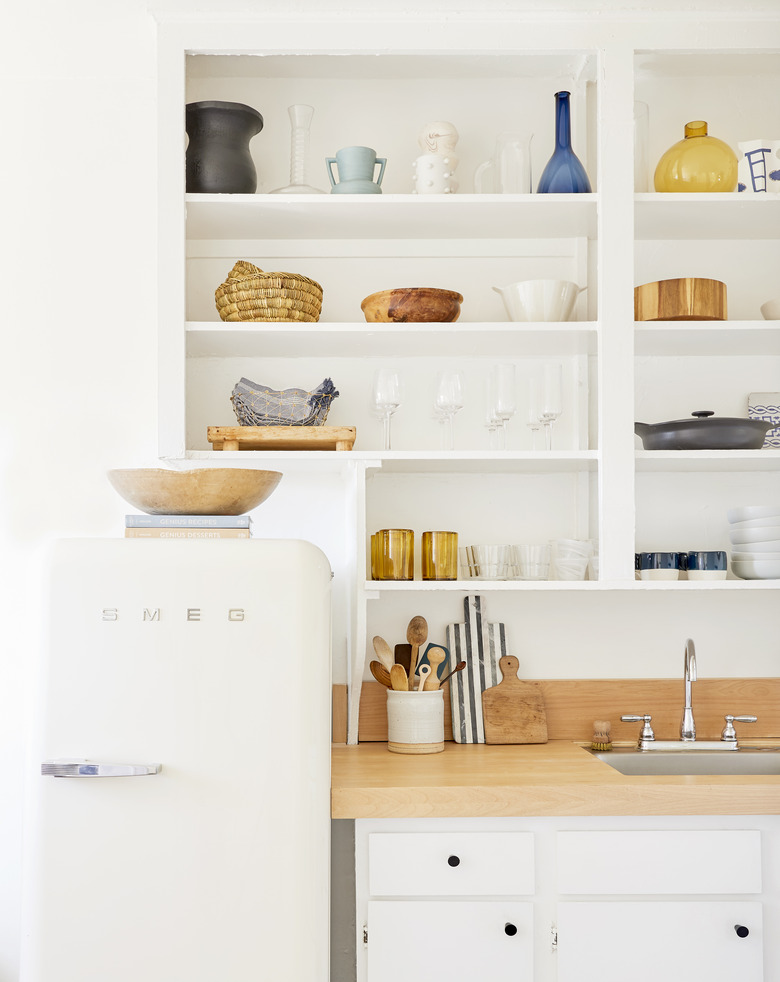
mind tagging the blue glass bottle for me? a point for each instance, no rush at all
(564, 174)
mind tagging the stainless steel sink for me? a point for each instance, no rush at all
(746, 760)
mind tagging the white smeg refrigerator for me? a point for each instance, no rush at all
(178, 811)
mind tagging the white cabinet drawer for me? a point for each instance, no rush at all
(450, 864)
(654, 941)
(659, 862)
(456, 940)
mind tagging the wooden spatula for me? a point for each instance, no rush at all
(399, 679)
(513, 711)
(383, 652)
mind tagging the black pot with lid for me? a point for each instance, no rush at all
(704, 431)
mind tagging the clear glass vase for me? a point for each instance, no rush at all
(300, 121)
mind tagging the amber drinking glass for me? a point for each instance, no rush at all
(440, 555)
(394, 554)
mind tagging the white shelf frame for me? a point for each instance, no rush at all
(611, 218)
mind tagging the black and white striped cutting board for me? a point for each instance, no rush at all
(481, 645)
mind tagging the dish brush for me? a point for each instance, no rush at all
(602, 739)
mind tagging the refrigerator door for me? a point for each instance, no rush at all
(180, 830)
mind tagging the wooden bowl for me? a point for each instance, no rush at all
(205, 491)
(415, 303)
(686, 299)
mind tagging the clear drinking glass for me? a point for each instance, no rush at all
(447, 401)
(386, 396)
(532, 561)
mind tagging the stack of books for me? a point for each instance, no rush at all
(188, 527)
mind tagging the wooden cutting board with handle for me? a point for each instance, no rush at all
(513, 711)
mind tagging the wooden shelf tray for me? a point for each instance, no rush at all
(281, 437)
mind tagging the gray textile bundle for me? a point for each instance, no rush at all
(258, 405)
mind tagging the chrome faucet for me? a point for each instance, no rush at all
(688, 726)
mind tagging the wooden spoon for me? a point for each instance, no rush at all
(458, 668)
(416, 634)
(435, 657)
(383, 652)
(398, 678)
(380, 673)
(425, 671)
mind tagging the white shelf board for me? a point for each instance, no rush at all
(294, 461)
(206, 339)
(398, 461)
(478, 586)
(671, 338)
(706, 216)
(381, 64)
(378, 587)
(707, 460)
(484, 462)
(391, 216)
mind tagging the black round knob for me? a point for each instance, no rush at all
(742, 931)
(510, 929)
(454, 861)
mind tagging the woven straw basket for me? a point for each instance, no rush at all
(249, 294)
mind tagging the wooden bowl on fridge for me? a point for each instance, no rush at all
(202, 491)
(686, 299)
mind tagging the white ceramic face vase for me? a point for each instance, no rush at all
(438, 137)
(433, 174)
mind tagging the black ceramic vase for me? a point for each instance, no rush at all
(218, 157)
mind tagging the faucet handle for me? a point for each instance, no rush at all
(729, 734)
(646, 735)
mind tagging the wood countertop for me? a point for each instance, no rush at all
(556, 778)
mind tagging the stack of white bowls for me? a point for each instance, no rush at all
(754, 531)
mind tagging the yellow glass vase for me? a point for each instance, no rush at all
(697, 163)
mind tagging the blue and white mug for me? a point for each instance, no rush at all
(659, 565)
(707, 565)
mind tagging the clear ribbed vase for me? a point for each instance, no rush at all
(300, 121)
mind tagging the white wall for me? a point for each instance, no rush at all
(78, 380)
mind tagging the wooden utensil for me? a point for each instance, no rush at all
(513, 711)
(380, 673)
(435, 657)
(403, 656)
(425, 671)
(458, 668)
(416, 634)
(398, 678)
(383, 652)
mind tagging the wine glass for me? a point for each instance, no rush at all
(386, 396)
(534, 410)
(448, 401)
(504, 393)
(551, 400)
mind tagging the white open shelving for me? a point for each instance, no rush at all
(487, 75)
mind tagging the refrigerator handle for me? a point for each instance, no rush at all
(76, 767)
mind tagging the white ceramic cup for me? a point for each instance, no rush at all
(415, 722)
(770, 310)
